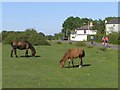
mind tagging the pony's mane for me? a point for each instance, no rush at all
(31, 46)
(65, 57)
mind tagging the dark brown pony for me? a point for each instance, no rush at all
(22, 45)
(71, 54)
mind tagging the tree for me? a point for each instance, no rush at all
(41, 34)
(49, 37)
(30, 35)
(58, 36)
(99, 25)
(70, 24)
(110, 18)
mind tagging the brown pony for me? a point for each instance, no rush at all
(22, 45)
(71, 54)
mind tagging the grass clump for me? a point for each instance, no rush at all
(59, 42)
(103, 49)
(80, 44)
(89, 46)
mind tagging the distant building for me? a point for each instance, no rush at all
(112, 26)
(80, 34)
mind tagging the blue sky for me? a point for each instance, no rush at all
(47, 17)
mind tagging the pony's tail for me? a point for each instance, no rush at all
(82, 53)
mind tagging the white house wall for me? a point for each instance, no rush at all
(112, 28)
(81, 38)
(78, 37)
(89, 32)
(80, 32)
(81, 35)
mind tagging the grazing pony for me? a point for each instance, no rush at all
(22, 45)
(71, 54)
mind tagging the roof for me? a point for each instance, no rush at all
(114, 21)
(85, 27)
(73, 32)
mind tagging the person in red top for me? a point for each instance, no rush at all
(106, 41)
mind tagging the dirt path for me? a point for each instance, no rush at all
(117, 47)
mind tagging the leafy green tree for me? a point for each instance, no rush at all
(72, 23)
(58, 36)
(99, 25)
(110, 18)
(41, 34)
(30, 35)
(49, 37)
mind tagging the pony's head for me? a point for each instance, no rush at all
(62, 63)
(33, 52)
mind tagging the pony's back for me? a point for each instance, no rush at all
(76, 52)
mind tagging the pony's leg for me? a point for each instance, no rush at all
(12, 53)
(81, 63)
(15, 52)
(26, 54)
(69, 63)
(72, 63)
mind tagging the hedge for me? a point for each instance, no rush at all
(114, 38)
(30, 35)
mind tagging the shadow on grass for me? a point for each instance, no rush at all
(31, 56)
(77, 66)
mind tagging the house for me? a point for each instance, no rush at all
(80, 34)
(112, 26)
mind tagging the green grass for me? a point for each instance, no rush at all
(44, 71)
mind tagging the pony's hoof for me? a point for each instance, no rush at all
(79, 66)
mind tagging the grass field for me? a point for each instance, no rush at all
(100, 69)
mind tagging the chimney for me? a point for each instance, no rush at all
(91, 24)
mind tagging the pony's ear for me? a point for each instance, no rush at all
(61, 60)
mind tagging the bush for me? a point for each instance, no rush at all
(80, 44)
(103, 49)
(70, 43)
(59, 42)
(29, 35)
(89, 46)
(114, 38)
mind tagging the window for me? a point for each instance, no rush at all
(84, 31)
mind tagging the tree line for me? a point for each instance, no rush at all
(70, 24)
(30, 35)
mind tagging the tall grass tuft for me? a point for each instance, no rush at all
(80, 43)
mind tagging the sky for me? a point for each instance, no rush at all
(48, 17)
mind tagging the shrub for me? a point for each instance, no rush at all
(29, 35)
(89, 46)
(80, 43)
(70, 43)
(114, 38)
(59, 42)
(103, 49)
